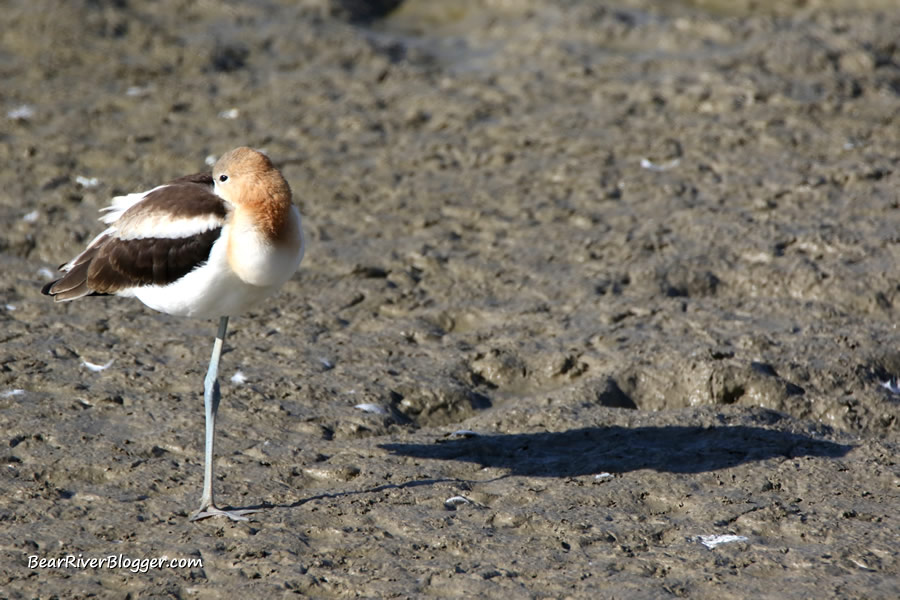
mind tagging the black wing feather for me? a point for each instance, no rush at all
(122, 264)
(112, 264)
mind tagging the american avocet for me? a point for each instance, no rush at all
(209, 245)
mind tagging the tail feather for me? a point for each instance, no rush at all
(72, 285)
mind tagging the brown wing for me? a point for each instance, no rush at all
(122, 264)
(198, 178)
(188, 218)
(188, 197)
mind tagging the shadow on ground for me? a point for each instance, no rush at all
(585, 451)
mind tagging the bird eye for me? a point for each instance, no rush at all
(223, 178)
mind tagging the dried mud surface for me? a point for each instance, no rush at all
(645, 254)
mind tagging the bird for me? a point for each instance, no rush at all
(208, 245)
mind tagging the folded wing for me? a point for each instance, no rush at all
(152, 239)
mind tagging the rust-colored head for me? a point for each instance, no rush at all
(249, 181)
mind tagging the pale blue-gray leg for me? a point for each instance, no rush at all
(211, 397)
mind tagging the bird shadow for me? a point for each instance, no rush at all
(614, 449)
(590, 450)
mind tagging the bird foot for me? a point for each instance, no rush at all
(213, 511)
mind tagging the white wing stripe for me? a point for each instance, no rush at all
(163, 225)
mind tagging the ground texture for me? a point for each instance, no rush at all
(585, 281)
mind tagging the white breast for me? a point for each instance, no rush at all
(223, 287)
(260, 262)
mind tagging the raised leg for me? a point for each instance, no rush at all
(211, 398)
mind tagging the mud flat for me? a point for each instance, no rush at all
(600, 301)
